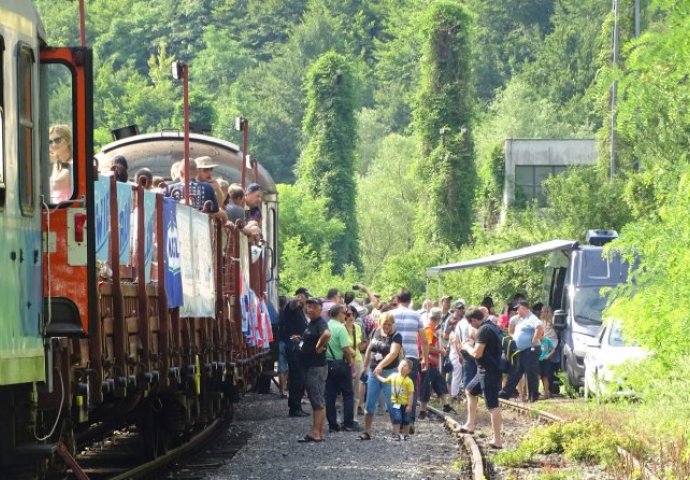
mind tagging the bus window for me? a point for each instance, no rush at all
(25, 134)
(58, 173)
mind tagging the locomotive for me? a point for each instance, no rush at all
(118, 304)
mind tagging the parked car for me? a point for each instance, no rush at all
(609, 350)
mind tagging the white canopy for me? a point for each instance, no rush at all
(520, 253)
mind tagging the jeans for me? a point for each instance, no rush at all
(432, 379)
(374, 389)
(336, 384)
(295, 378)
(528, 364)
(400, 416)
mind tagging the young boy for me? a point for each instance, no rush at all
(402, 395)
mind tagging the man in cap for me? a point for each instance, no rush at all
(204, 173)
(313, 358)
(253, 201)
(201, 194)
(292, 323)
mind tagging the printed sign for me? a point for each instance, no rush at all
(149, 227)
(124, 216)
(196, 262)
(173, 275)
(102, 214)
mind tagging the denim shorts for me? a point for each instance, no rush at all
(282, 357)
(400, 416)
(374, 388)
(489, 384)
(469, 370)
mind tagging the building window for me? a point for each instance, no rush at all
(25, 157)
(529, 182)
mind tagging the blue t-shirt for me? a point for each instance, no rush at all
(199, 193)
(524, 332)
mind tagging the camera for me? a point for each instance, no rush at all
(355, 287)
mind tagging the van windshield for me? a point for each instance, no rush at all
(588, 305)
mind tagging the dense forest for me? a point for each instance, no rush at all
(384, 122)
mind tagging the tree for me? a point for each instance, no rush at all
(327, 166)
(442, 118)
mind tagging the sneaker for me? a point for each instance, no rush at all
(406, 437)
(411, 428)
(360, 411)
(396, 438)
(283, 396)
(349, 428)
(446, 408)
(422, 414)
(333, 428)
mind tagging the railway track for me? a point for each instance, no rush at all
(118, 456)
(480, 462)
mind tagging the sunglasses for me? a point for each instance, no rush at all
(55, 141)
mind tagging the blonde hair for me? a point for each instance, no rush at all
(65, 133)
(175, 170)
(386, 317)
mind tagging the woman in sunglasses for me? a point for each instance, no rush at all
(60, 148)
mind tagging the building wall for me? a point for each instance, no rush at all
(544, 153)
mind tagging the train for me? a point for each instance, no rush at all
(119, 304)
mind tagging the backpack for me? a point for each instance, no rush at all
(509, 349)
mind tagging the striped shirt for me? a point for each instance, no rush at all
(408, 323)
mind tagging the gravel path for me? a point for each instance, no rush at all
(273, 452)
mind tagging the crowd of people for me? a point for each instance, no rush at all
(388, 356)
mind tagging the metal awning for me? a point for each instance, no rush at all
(520, 253)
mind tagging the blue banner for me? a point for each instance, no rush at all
(102, 197)
(124, 217)
(149, 226)
(173, 273)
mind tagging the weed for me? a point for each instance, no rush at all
(569, 390)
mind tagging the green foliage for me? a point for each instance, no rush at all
(327, 165)
(583, 441)
(443, 104)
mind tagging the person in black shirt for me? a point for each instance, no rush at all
(487, 352)
(313, 358)
(293, 322)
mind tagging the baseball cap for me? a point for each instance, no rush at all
(460, 304)
(435, 313)
(446, 297)
(253, 187)
(523, 304)
(315, 300)
(302, 291)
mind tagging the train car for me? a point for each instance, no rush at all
(119, 305)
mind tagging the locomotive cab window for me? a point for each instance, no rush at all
(2, 124)
(25, 135)
(57, 167)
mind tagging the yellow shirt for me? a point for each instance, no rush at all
(401, 387)
(358, 333)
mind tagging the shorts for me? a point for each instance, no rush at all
(374, 388)
(488, 385)
(315, 383)
(469, 370)
(282, 357)
(545, 367)
(400, 416)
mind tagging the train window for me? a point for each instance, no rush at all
(2, 124)
(58, 173)
(25, 135)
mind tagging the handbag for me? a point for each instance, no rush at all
(338, 368)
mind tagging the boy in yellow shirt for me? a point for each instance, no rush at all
(402, 396)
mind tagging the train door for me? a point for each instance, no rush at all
(67, 179)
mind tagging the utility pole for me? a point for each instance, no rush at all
(180, 71)
(242, 125)
(614, 88)
(637, 18)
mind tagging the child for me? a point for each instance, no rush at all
(402, 395)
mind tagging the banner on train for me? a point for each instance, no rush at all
(196, 263)
(149, 226)
(124, 217)
(173, 274)
(102, 197)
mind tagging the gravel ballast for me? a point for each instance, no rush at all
(273, 450)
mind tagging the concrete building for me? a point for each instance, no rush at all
(529, 162)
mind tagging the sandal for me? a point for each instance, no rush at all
(495, 447)
(467, 431)
(364, 436)
(309, 439)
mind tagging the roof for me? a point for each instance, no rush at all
(498, 258)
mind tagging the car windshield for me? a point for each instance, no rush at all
(616, 337)
(588, 305)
